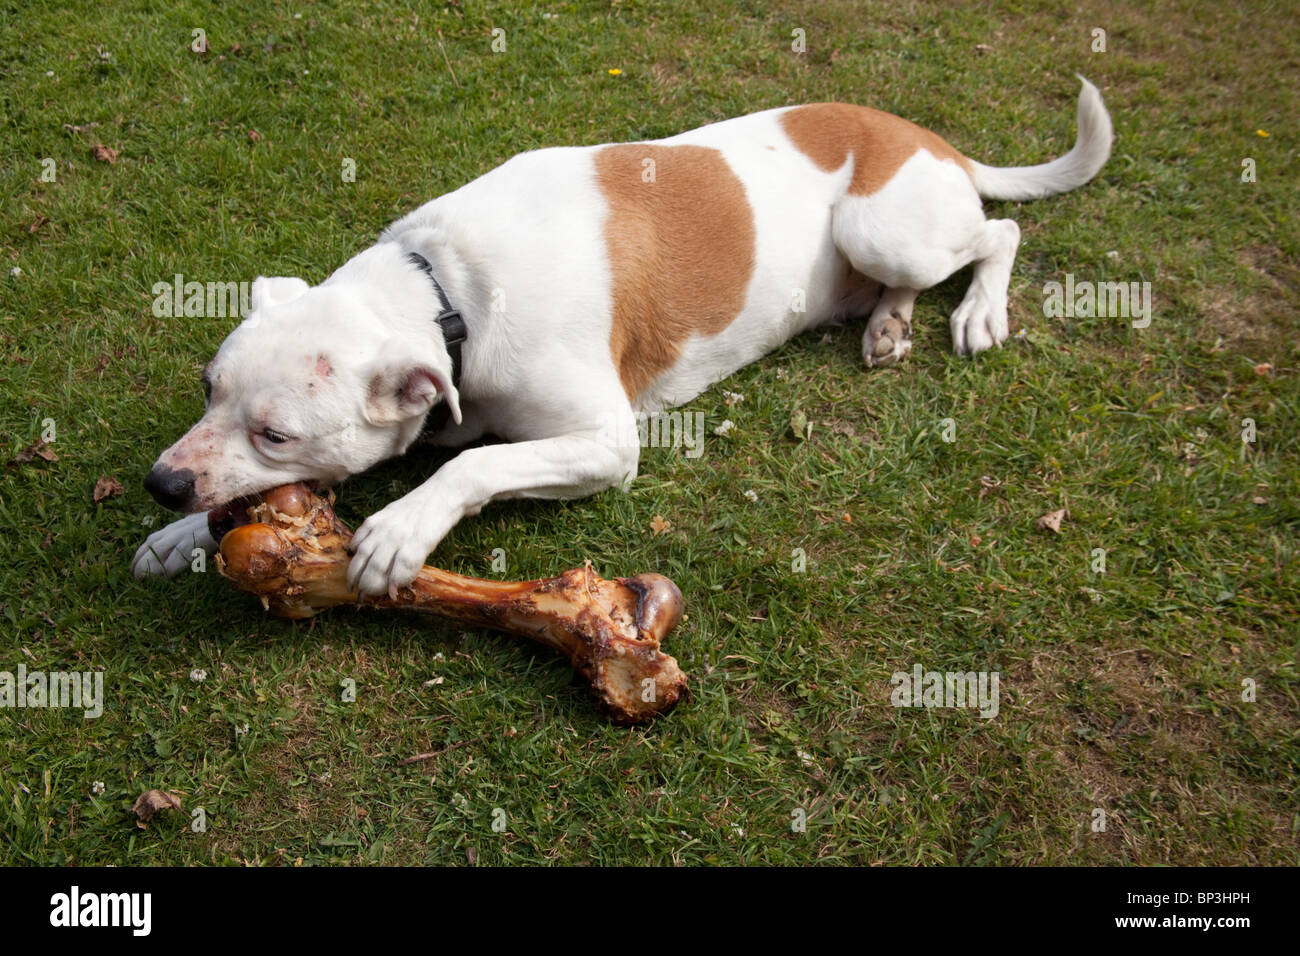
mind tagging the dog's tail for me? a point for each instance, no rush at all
(1090, 152)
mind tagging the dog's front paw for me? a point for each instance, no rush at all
(388, 551)
(171, 548)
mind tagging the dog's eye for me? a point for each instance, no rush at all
(274, 437)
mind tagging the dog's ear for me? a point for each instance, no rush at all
(275, 290)
(400, 387)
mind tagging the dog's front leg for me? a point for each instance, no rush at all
(393, 543)
(171, 548)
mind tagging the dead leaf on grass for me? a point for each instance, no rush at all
(151, 802)
(800, 425)
(1051, 521)
(40, 449)
(107, 487)
(988, 486)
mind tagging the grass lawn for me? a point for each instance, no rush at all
(1127, 691)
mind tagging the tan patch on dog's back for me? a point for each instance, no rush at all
(880, 142)
(681, 241)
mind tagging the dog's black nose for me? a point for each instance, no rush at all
(171, 489)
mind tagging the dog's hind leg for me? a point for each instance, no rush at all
(980, 322)
(913, 233)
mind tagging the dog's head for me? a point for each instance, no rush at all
(313, 386)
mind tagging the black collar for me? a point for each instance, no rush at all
(448, 319)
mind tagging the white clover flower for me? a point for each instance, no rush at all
(198, 675)
(732, 398)
(97, 787)
(726, 426)
(752, 495)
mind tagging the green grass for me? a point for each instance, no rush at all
(1120, 691)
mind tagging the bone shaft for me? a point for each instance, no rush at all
(543, 611)
(502, 606)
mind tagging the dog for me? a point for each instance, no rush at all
(552, 300)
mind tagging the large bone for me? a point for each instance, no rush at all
(294, 556)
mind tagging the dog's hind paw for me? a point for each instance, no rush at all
(887, 344)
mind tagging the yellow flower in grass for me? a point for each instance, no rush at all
(615, 72)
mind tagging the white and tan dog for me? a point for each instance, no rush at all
(594, 283)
